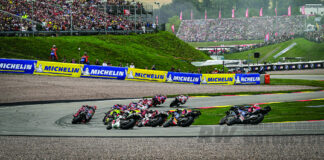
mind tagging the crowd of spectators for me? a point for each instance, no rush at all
(230, 29)
(316, 36)
(55, 15)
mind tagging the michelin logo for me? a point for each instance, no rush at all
(130, 75)
(86, 72)
(38, 68)
(204, 81)
(246, 80)
(186, 79)
(12, 66)
(169, 78)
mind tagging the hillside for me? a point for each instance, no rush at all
(162, 49)
(304, 48)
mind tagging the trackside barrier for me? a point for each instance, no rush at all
(105, 72)
(134, 74)
(178, 77)
(58, 69)
(121, 73)
(241, 79)
(223, 79)
(17, 66)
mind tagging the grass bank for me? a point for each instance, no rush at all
(287, 111)
(162, 49)
(304, 48)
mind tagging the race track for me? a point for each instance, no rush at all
(55, 119)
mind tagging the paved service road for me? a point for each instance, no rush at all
(55, 119)
(305, 77)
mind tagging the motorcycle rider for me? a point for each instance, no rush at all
(182, 99)
(254, 108)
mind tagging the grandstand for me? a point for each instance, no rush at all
(82, 15)
(234, 29)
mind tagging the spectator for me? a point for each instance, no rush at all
(109, 63)
(64, 60)
(153, 67)
(120, 64)
(104, 63)
(84, 58)
(199, 70)
(73, 60)
(53, 54)
(132, 65)
(126, 65)
(172, 69)
(97, 62)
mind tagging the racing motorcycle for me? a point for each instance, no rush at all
(111, 115)
(84, 114)
(179, 100)
(157, 100)
(182, 118)
(244, 115)
(126, 121)
(153, 119)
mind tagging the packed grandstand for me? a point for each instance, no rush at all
(231, 29)
(55, 15)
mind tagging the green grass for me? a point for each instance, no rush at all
(313, 83)
(162, 49)
(304, 48)
(287, 111)
(210, 44)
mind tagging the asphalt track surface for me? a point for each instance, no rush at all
(55, 119)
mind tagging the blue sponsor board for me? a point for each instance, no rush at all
(183, 77)
(247, 79)
(106, 72)
(17, 66)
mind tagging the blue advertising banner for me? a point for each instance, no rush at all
(247, 79)
(106, 72)
(183, 77)
(17, 66)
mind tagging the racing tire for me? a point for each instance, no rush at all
(109, 127)
(76, 120)
(155, 122)
(223, 120)
(187, 123)
(258, 120)
(167, 124)
(230, 121)
(131, 123)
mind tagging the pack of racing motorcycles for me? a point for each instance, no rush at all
(139, 114)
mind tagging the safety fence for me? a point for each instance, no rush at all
(121, 73)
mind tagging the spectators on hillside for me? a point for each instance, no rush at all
(55, 15)
(233, 29)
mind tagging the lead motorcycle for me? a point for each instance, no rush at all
(182, 118)
(179, 100)
(245, 115)
(84, 114)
